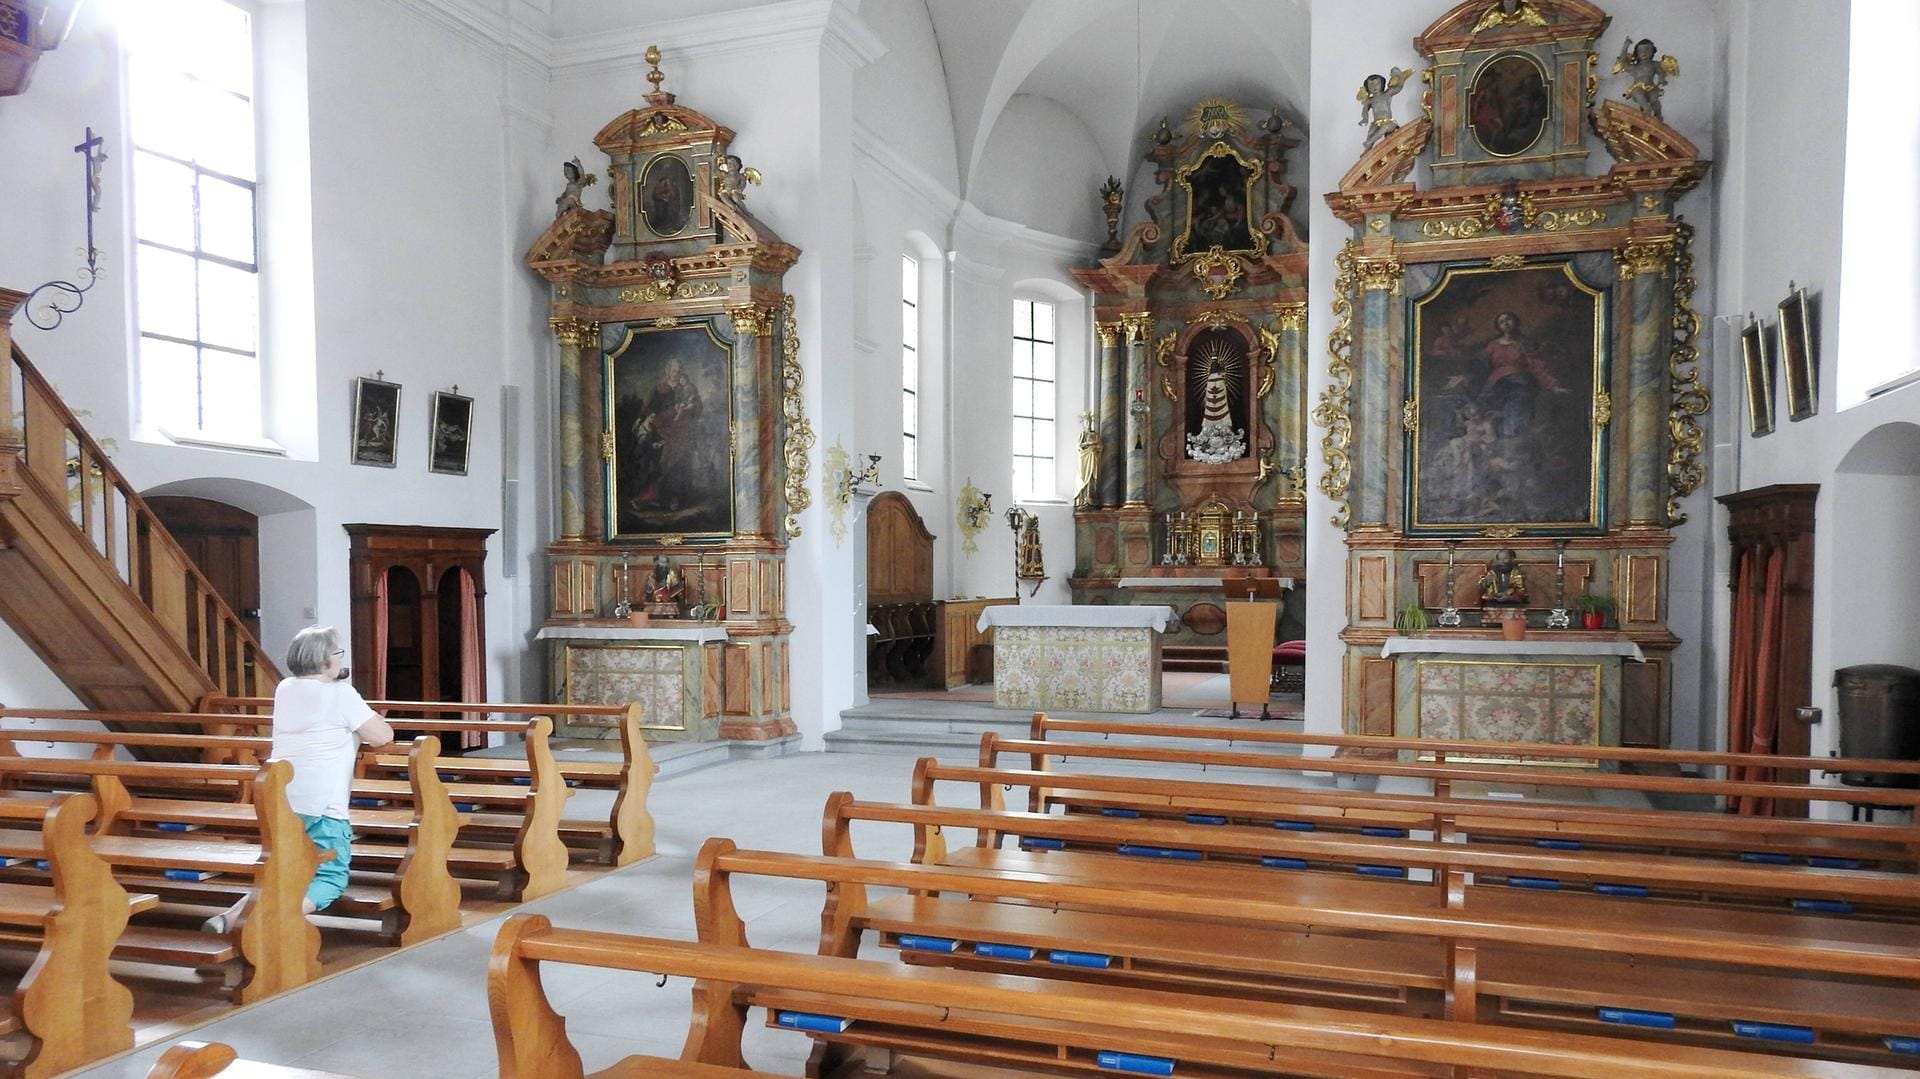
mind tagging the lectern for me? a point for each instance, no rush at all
(1251, 614)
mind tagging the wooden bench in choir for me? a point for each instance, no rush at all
(627, 835)
(1251, 930)
(1569, 826)
(66, 1010)
(271, 947)
(863, 1012)
(523, 851)
(420, 901)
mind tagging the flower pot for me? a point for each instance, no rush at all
(1514, 629)
(1593, 620)
(639, 620)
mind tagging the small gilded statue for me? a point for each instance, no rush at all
(1641, 63)
(1376, 104)
(663, 589)
(1504, 585)
(1090, 447)
(578, 180)
(1507, 13)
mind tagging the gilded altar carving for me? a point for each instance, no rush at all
(1692, 398)
(1218, 271)
(1109, 333)
(575, 332)
(1137, 326)
(749, 320)
(1332, 413)
(1290, 316)
(1378, 274)
(1645, 256)
(793, 407)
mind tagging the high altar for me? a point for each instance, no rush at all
(1513, 365)
(682, 445)
(1199, 429)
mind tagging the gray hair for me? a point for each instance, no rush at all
(310, 650)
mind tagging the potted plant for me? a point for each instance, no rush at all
(1594, 608)
(1411, 618)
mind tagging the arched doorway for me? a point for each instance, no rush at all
(224, 543)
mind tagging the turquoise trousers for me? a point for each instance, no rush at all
(330, 879)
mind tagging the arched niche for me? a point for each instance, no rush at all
(1873, 504)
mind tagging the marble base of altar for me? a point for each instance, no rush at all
(673, 672)
(1556, 692)
(1077, 659)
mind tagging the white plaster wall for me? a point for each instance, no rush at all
(414, 241)
(1781, 221)
(1042, 168)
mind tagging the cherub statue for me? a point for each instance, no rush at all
(1376, 104)
(1639, 61)
(578, 180)
(734, 178)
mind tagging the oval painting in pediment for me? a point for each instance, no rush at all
(666, 195)
(1508, 106)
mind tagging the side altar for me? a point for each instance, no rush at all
(1191, 458)
(1513, 412)
(1563, 690)
(682, 450)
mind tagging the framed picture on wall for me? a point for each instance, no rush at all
(451, 444)
(1797, 353)
(669, 394)
(1757, 364)
(376, 422)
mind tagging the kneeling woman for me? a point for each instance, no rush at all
(319, 724)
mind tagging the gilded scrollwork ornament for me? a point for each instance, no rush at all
(1378, 274)
(575, 332)
(800, 437)
(1109, 333)
(1333, 413)
(1691, 397)
(1652, 255)
(749, 320)
(1163, 348)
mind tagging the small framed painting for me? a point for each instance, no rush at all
(451, 445)
(376, 422)
(1758, 366)
(1797, 354)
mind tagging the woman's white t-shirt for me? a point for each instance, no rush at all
(314, 725)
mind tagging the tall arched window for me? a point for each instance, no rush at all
(190, 94)
(909, 367)
(1034, 397)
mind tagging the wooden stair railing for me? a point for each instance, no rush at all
(116, 572)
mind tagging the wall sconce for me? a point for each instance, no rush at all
(851, 478)
(976, 506)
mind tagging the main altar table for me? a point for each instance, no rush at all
(1076, 658)
(1562, 692)
(674, 672)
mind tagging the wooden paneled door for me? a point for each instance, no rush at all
(224, 543)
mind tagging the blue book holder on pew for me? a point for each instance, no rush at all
(1134, 1063)
(1004, 951)
(825, 1024)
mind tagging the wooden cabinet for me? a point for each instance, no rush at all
(966, 653)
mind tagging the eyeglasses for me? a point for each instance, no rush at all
(341, 652)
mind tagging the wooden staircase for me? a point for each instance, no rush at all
(89, 577)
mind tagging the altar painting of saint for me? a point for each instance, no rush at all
(1509, 106)
(666, 195)
(1504, 369)
(669, 403)
(1218, 211)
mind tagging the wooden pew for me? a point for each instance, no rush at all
(531, 860)
(67, 1010)
(420, 901)
(1679, 831)
(271, 947)
(1017, 1025)
(1240, 938)
(628, 834)
(208, 1060)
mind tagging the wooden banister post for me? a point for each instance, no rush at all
(12, 439)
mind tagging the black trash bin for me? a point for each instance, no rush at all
(1879, 718)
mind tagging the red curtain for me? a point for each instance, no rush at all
(377, 677)
(1753, 703)
(473, 659)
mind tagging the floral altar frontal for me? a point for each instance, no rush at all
(1558, 692)
(1077, 658)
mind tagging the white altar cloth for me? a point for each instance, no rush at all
(1286, 583)
(685, 634)
(1147, 616)
(1529, 646)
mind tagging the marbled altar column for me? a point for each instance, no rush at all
(1138, 330)
(1645, 271)
(1290, 390)
(1376, 412)
(573, 335)
(1110, 487)
(751, 434)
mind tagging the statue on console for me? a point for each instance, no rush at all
(1218, 441)
(1090, 447)
(663, 589)
(1641, 63)
(578, 180)
(1376, 104)
(1504, 585)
